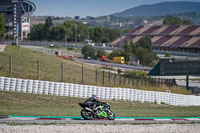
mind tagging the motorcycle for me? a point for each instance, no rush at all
(101, 111)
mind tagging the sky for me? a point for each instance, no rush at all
(85, 8)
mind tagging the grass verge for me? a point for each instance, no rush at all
(14, 103)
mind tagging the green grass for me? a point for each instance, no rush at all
(13, 103)
(25, 67)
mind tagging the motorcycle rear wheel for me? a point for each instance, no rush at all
(87, 115)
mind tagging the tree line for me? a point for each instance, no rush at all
(71, 31)
(172, 21)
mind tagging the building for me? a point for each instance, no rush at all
(17, 17)
(170, 38)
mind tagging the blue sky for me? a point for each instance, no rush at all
(85, 8)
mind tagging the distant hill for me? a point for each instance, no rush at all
(161, 9)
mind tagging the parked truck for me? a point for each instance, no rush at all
(119, 60)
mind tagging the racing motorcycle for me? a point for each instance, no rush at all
(101, 111)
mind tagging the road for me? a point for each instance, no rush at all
(79, 120)
(115, 64)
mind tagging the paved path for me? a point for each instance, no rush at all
(2, 47)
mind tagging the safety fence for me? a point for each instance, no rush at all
(106, 93)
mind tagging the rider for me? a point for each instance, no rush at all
(92, 101)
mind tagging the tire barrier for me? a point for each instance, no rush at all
(106, 93)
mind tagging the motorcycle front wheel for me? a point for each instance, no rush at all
(87, 115)
(111, 115)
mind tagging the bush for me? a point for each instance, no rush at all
(70, 48)
(136, 74)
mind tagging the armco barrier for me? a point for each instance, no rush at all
(85, 91)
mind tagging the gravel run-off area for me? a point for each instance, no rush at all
(87, 128)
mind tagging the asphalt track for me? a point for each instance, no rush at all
(79, 120)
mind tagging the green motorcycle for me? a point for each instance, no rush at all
(101, 111)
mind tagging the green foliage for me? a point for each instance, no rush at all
(47, 25)
(170, 20)
(2, 26)
(133, 47)
(97, 34)
(111, 34)
(70, 48)
(88, 51)
(100, 52)
(69, 29)
(37, 32)
(167, 55)
(143, 51)
(127, 51)
(145, 56)
(116, 53)
(145, 43)
(136, 74)
(187, 22)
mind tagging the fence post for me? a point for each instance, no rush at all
(109, 77)
(114, 78)
(62, 72)
(137, 82)
(10, 65)
(120, 79)
(82, 75)
(96, 76)
(38, 69)
(159, 82)
(102, 77)
(133, 82)
(124, 80)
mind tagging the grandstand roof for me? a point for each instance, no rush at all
(165, 36)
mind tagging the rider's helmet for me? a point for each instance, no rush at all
(94, 96)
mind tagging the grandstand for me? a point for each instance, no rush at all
(171, 38)
(17, 17)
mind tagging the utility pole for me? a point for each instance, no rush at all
(75, 33)
(120, 24)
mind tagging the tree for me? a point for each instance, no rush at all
(96, 34)
(2, 26)
(88, 51)
(77, 17)
(170, 20)
(145, 43)
(116, 53)
(133, 47)
(127, 51)
(100, 52)
(111, 34)
(187, 22)
(47, 25)
(37, 32)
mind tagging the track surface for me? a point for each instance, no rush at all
(77, 120)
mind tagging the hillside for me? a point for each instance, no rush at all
(161, 9)
(24, 65)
